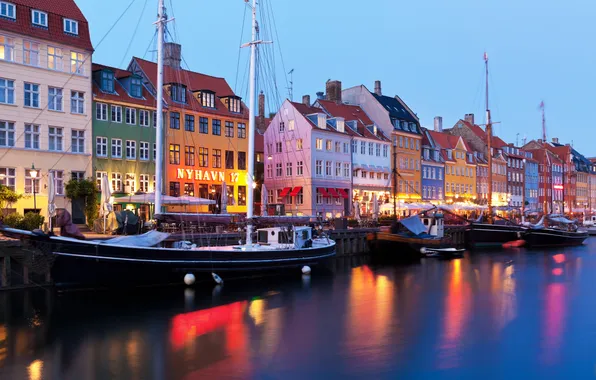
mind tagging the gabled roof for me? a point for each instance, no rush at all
(57, 10)
(395, 108)
(194, 82)
(120, 93)
(448, 141)
(305, 110)
(496, 142)
(352, 113)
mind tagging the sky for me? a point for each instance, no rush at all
(429, 52)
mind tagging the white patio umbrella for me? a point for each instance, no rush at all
(224, 198)
(166, 199)
(375, 207)
(263, 200)
(356, 210)
(51, 197)
(106, 194)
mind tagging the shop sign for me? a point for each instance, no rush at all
(205, 175)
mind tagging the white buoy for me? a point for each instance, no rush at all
(306, 269)
(189, 279)
(218, 280)
(423, 250)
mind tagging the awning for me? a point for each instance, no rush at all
(285, 191)
(295, 191)
(333, 193)
(323, 191)
(343, 193)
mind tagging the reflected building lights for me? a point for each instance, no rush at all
(554, 320)
(255, 310)
(35, 370)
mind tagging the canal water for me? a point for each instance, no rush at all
(492, 315)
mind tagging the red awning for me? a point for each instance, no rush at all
(323, 191)
(295, 191)
(285, 191)
(343, 193)
(332, 192)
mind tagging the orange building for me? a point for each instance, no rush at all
(206, 138)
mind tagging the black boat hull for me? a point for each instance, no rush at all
(387, 247)
(480, 235)
(554, 238)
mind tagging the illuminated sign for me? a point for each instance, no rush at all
(205, 175)
(558, 187)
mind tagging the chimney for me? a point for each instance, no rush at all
(438, 124)
(306, 100)
(378, 88)
(469, 118)
(262, 104)
(172, 54)
(539, 141)
(333, 88)
(556, 140)
(320, 95)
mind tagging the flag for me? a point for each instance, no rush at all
(485, 56)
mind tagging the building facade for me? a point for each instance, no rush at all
(515, 175)
(531, 202)
(45, 101)
(123, 131)
(206, 142)
(433, 168)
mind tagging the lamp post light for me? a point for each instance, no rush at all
(33, 174)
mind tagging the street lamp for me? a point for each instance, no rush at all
(33, 174)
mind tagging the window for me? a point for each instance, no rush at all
(131, 150)
(269, 171)
(203, 125)
(31, 53)
(241, 160)
(229, 159)
(178, 93)
(298, 144)
(189, 189)
(282, 126)
(319, 143)
(189, 155)
(362, 147)
(116, 148)
(116, 182)
(131, 116)
(98, 177)
(144, 151)
(278, 147)
(6, 91)
(208, 99)
(55, 139)
(130, 183)
(299, 168)
(144, 183)
(319, 198)
(371, 175)
(346, 148)
(174, 120)
(8, 178)
(363, 174)
(77, 102)
(319, 167)
(71, 26)
(378, 150)
(143, 118)
(76, 63)
(300, 197)
(291, 126)
(354, 147)
(107, 81)
(401, 141)
(278, 170)
(417, 144)
(328, 168)
(31, 95)
(241, 130)
(346, 170)
(338, 169)
(204, 157)
(101, 146)
(175, 154)
(136, 87)
(371, 148)
(116, 114)
(241, 195)
(234, 104)
(31, 184)
(189, 123)
(77, 141)
(288, 169)
(328, 145)
(55, 58)
(337, 147)
(7, 10)
(6, 48)
(31, 136)
(216, 158)
(216, 127)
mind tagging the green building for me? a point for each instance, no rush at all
(123, 132)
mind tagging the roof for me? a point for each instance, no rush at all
(496, 141)
(397, 109)
(57, 10)
(448, 141)
(352, 113)
(120, 93)
(194, 82)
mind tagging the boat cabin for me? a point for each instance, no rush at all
(590, 220)
(434, 224)
(300, 237)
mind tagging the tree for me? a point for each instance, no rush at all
(85, 188)
(8, 197)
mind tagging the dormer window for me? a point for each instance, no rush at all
(234, 104)
(208, 99)
(71, 26)
(8, 10)
(136, 87)
(39, 18)
(449, 154)
(178, 93)
(107, 81)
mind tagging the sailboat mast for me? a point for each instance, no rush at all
(159, 115)
(489, 134)
(546, 166)
(251, 126)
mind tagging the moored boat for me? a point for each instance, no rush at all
(485, 235)
(561, 232)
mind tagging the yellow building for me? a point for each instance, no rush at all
(45, 101)
(460, 167)
(407, 146)
(206, 138)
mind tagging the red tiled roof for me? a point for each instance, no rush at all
(57, 10)
(193, 82)
(309, 110)
(121, 94)
(496, 141)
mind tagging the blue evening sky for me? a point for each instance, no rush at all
(429, 52)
